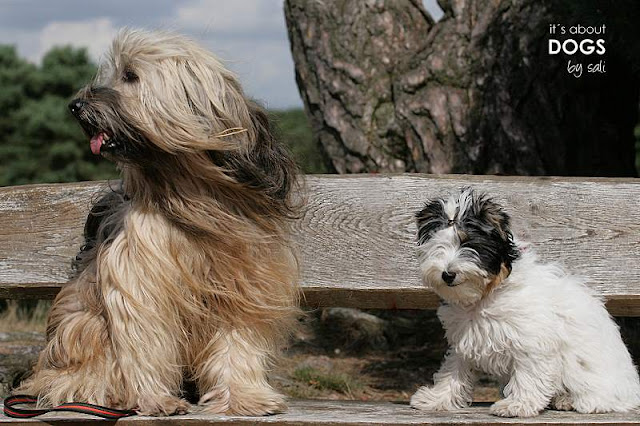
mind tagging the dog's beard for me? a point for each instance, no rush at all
(113, 133)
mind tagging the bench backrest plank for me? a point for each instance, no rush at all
(357, 237)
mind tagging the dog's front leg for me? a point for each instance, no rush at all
(232, 375)
(452, 389)
(530, 387)
(77, 356)
(148, 353)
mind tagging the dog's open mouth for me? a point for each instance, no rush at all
(98, 140)
(107, 140)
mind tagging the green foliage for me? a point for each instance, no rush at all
(39, 140)
(15, 81)
(64, 70)
(295, 132)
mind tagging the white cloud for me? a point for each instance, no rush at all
(265, 70)
(95, 35)
(238, 17)
(250, 36)
(434, 9)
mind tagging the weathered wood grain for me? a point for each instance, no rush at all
(347, 413)
(40, 232)
(356, 239)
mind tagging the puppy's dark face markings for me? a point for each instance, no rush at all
(431, 219)
(481, 226)
(489, 237)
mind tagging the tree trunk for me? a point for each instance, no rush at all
(389, 90)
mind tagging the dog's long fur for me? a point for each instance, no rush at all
(187, 269)
(538, 329)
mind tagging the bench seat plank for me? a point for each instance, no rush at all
(357, 237)
(347, 413)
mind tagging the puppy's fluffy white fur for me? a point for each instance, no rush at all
(541, 331)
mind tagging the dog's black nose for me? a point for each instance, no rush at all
(76, 105)
(448, 277)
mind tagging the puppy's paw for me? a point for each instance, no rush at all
(428, 399)
(511, 408)
(162, 406)
(562, 402)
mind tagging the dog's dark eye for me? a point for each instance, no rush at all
(129, 76)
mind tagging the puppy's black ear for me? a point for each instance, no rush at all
(429, 220)
(500, 221)
(494, 215)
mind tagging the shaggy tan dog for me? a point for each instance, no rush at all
(187, 271)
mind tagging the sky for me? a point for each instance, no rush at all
(249, 35)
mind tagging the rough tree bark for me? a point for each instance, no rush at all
(389, 90)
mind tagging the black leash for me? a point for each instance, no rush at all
(10, 409)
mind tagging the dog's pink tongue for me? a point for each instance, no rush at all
(96, 143)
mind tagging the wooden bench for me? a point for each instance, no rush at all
(357, 249)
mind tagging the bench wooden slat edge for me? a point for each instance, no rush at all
(319, 297)
(349, 413)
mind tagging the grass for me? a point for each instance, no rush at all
(325, 381)
(24, 316)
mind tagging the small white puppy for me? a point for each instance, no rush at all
(540, 331)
